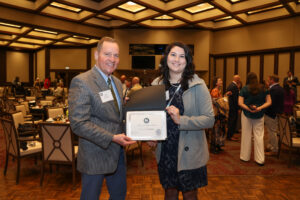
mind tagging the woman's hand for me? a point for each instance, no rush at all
(174, 113)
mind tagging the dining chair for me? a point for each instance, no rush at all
(30, 98)
(54, 112)
(287, 136)
(22, 109)
(12, 141)
(58, 146)
(46, 102)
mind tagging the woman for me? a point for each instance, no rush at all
(253, 100)
(218, 132)
(183, 156)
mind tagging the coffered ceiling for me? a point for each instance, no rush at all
(34, 24)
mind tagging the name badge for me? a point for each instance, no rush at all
(167, 95)
(106, 96)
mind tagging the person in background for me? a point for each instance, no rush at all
(96, 116)
(292, 82)
(135, 85)
(219, 129)
(58, 92)
(18, 87)
(128, 87)
(183, 156)
(123, 79)
(37, 84)
(289, 100)
(253, 100)
(277, 97)
(47, 83)
(233, 107)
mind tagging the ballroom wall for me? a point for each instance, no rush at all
(265, 48)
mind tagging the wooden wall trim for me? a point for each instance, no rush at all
(248, 63)
(47, 62)
(258, 52)
(224, 74)
(215, 67)
(261, 68)
(88, 58)
(276, 58)
(31, 57)
(2, 66)
(292, 61)
(236, 65)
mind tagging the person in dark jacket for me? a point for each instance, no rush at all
(277, 97)
(233, 106)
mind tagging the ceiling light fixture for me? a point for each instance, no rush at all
(10, 25)
(199, 8)
(263, 9)
(70, 8)
(81, 37)
(131, 7)
(131, 3)
(45, 31)
(223, 18)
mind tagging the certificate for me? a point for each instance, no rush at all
(146, 125)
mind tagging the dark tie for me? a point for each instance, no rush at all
(113, 94)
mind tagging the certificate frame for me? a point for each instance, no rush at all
(146, 125)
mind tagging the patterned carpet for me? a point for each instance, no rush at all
(224, 163)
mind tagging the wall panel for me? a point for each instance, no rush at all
(283, 65)
(219, 67)
(297, 65)
(268, 65)
(255, 64)
(242, 68)
(41, 64)
(230, 70)
(72, 58)
(17, 65)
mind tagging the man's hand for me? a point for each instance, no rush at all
(122, 139)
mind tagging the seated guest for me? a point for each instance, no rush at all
(58, 92)
(37, 84)
(135, 85)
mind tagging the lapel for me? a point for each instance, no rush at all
(101, 83)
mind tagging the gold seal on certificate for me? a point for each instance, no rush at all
(146, 125)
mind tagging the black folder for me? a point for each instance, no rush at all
(147, 99)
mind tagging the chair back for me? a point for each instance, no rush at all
(10, 134)
(50, 98)
(21, 108)
(18, 119)
(284, 130)
(57, 140)
(26, 104)
(54, 112)
(30, 98)
(46, 103)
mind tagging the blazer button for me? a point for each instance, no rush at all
(186, 148)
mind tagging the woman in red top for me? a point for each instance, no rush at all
(47, 83)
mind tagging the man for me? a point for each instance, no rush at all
(233, 106)
(277, 97)
(135, 85)
(95, 113)
(292, 82)
(123, 79)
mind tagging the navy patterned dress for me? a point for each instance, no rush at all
(185, 180)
